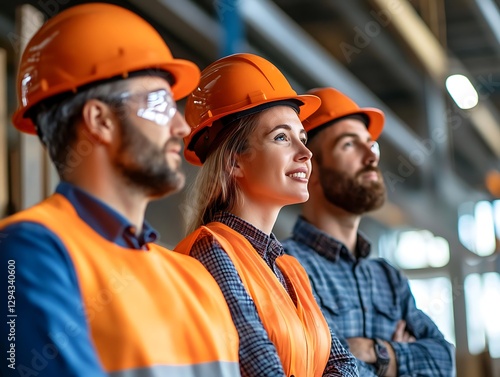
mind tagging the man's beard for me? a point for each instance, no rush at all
(349, 193)
(144, 164)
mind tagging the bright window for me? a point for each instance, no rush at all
(479, 226)
(420, 249)
(482, 299)
(435, 298)
(496, 217)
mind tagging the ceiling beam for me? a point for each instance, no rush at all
(417, 35)
(372, 24)
(432, 55)
(186, 20)
(488, 16)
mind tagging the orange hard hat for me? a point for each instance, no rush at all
(234, 84)
(335, 105)
(89, 43)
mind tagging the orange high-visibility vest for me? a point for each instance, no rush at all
(167, 317)
(299, 332)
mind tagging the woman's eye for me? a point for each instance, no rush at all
(303, 140)
(281, 137)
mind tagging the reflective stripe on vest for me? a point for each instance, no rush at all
(300, 333)
(150, 313)
(205, 370)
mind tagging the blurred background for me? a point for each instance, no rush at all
(433, 67)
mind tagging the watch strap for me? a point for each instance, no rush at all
(383, 357)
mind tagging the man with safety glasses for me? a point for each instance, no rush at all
(91, 293)
(367, 302)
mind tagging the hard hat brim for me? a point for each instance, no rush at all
(185, 73)
(310, 103)
(187, 77)
(377, 120)
(375, 116)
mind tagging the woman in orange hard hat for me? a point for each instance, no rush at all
(248, 136)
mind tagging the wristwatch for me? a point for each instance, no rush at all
(383, 357)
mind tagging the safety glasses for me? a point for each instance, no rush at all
(157, 106)
(355, 144)
(375, 148)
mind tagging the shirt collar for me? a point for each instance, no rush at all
(105, 220)
(268, 247)
(363, 246)
(326, 245)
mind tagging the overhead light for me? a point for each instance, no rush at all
(462, 91)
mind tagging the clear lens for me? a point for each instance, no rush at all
(375, 148)
(157, 106)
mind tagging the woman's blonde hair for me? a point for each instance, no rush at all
(215, 188)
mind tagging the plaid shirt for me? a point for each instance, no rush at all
(258, 355)
(363, 297)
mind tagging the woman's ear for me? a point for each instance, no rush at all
(98, 120)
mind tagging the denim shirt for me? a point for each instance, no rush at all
(366, 297)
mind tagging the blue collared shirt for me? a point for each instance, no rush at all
(45, 275)
(258, 355)
(362, 297)
(106, 221)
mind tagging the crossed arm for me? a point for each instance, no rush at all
(417, 347)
